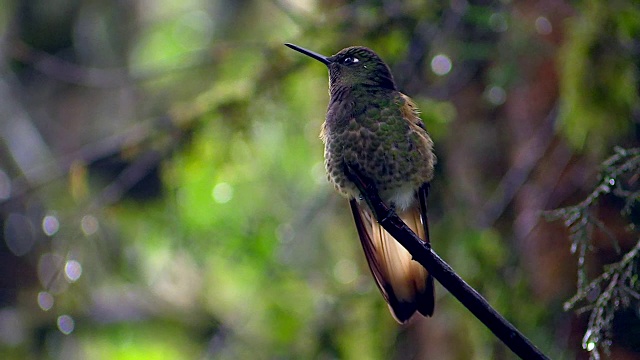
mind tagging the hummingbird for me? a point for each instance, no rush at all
(375, 129)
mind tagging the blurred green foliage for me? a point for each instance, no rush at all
(600, 73)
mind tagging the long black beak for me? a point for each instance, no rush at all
(323, 59)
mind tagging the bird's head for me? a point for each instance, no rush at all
(353, 66)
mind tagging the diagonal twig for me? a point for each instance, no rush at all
(441, 271)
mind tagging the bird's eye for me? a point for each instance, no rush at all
(350, 60)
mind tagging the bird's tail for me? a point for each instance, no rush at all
(405, 284)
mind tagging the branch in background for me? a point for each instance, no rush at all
(442, 272)
(518, 174)
(617, 288)
(100, 78)
(66, 71)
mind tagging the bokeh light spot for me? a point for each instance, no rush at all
(66, 324)
(222, 193)
(441, 64)
(89, 224)
(19, 234)
(45, 300)
(498, 22)
(543, 26)
(72, 270)
(50, 225)
(495, 95)
(345, 271)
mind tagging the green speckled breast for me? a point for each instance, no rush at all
(373, 136)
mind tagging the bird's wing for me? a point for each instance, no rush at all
(410, 112)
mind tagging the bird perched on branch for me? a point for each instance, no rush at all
(375, 129)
